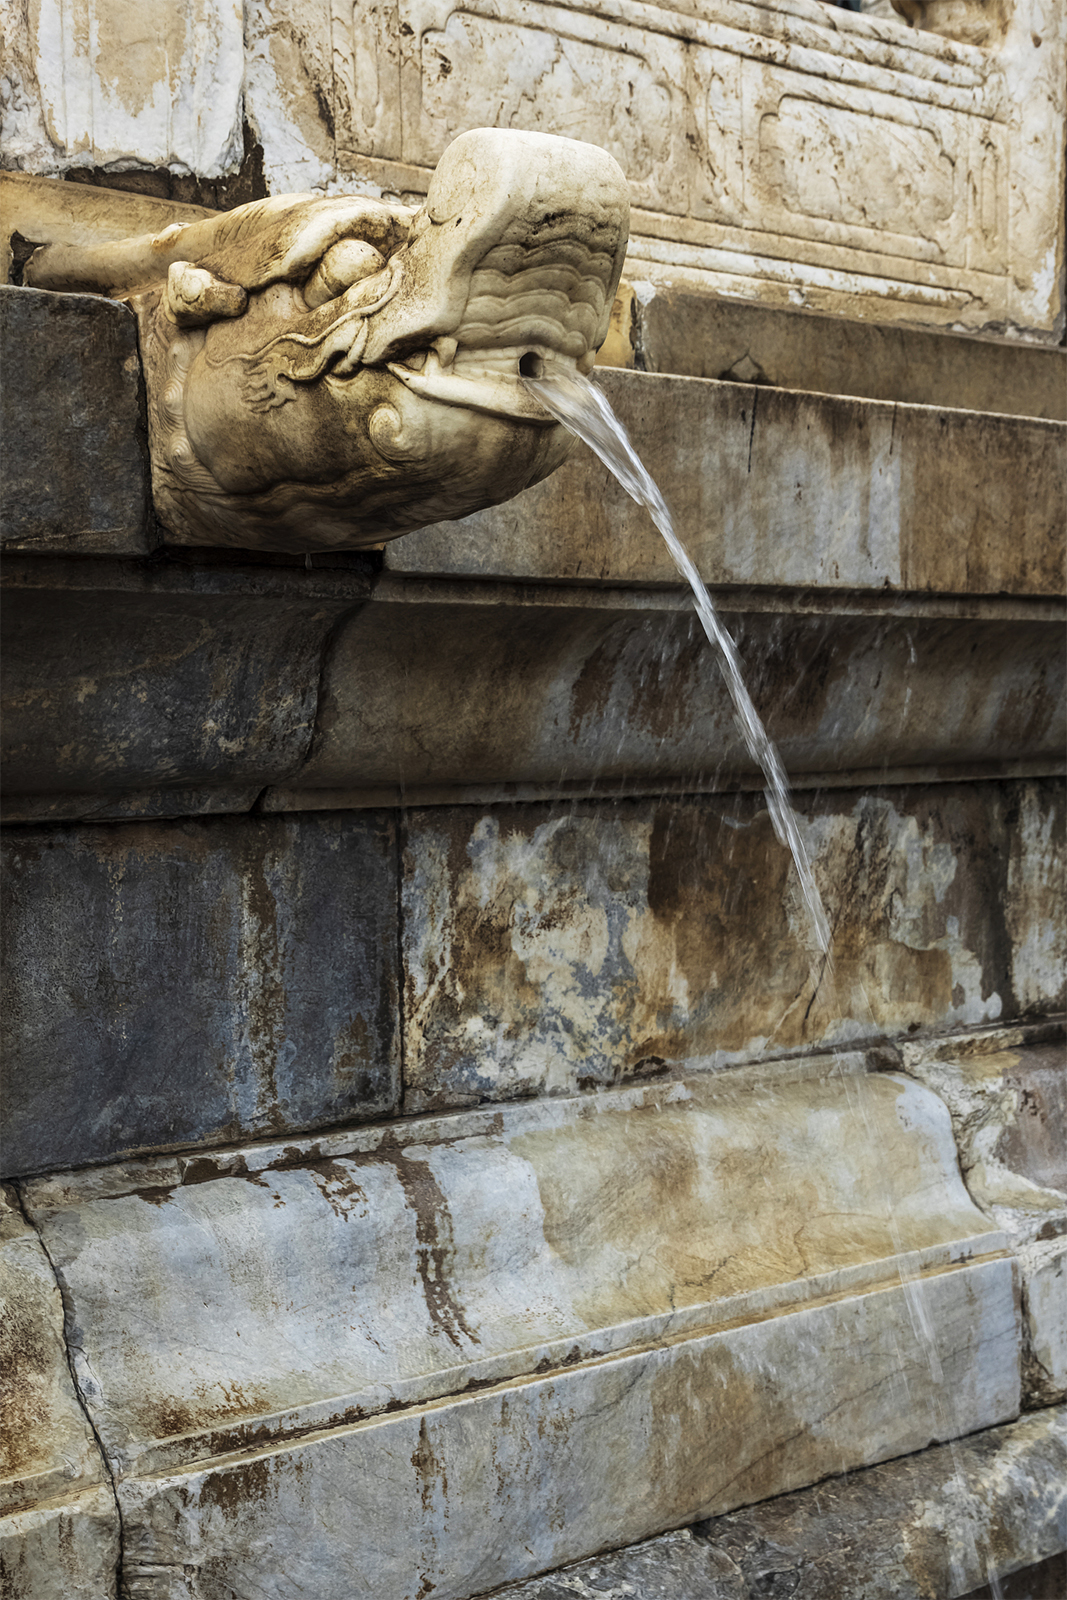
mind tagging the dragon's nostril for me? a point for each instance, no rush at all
(531, 366)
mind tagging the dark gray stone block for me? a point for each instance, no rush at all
(76, 474)
(108, 692)
(182, 983)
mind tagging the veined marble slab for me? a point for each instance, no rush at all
(455, 1351)
(59, 1526)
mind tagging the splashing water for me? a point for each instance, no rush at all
(582, 407)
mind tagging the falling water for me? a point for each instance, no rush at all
(582, 407)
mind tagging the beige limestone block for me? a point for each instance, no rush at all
(701, 336)
(474, 1492)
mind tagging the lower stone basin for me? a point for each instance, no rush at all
(530, 1332)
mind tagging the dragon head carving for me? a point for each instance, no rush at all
(330, 373)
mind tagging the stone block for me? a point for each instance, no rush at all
(779, 488)
(547, 947)
(63, 1549)
(75, 466)
(432, 694)
(456, 1351)
(180, 983)
(59, 1524)
(166, 703)
(1007, 1093)
(699, 336)
(160, 88)
(987, 1507)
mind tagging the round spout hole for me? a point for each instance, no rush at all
(531, 366)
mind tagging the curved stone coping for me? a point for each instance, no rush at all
(459, 1252)
(458, 1350)
(174, 693)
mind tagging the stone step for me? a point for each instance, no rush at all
(462, 1350)
(980, 1519)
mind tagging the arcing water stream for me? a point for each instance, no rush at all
(583, 408)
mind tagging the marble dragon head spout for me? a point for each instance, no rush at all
(330, 373)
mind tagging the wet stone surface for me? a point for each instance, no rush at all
(184, 982)
(552, 948)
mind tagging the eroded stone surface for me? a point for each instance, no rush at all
(172, 983)
(989, 1506)
(116, 83)
(1008, 1099)
(548, 947)
(604, 1335)
(772, 156)
(59, 1526)
(66, 1548)
(75, 448)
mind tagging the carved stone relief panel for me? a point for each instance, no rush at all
(816, 156)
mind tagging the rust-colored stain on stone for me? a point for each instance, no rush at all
(550, 947)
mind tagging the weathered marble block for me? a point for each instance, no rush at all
(776, 487)
(458, 1351)
(175, 983)
(550, 947)
(59, 1523)
(945, 1521)
(1006, 1090)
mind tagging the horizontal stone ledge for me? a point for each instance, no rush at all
(176, 696)
(783, 488)
(768, 486)
(517, 1337)
(947, 1521)
(280, 799)
(426, 695)
(702, 336)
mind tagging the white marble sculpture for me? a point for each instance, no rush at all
(330, 373)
